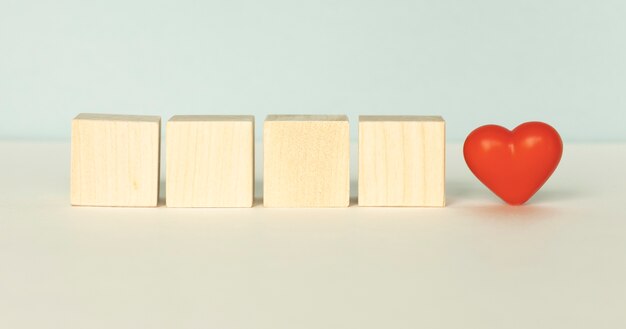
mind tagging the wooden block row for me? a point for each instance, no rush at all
(210, 161)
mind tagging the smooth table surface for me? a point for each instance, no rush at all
(558, 262)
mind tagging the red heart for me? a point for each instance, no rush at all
(513, 164)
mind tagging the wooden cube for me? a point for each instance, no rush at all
(401, 161)
(115, 160)
(306, 161)
(210, 161)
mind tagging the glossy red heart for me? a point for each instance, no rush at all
(513, 164)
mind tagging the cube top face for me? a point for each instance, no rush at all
(212, 118)
(115, 160)
(402, 161)
(118, 117)
(210, 161)
(400, 118)
(302, 117)
(306, 162)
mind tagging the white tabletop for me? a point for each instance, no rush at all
(558, 262)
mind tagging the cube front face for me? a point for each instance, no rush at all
(210, 161)
(401, 161)
(115, 160)
(306, 161)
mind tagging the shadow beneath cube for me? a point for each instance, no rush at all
(258, 194)
(161, 201)
(354, 191)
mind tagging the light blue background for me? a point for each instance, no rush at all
(474, 62)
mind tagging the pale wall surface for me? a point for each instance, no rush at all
(474, 62)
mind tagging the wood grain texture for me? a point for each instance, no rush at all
(306, 161)
(401, 161)
(115, 160)
(210, 161)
